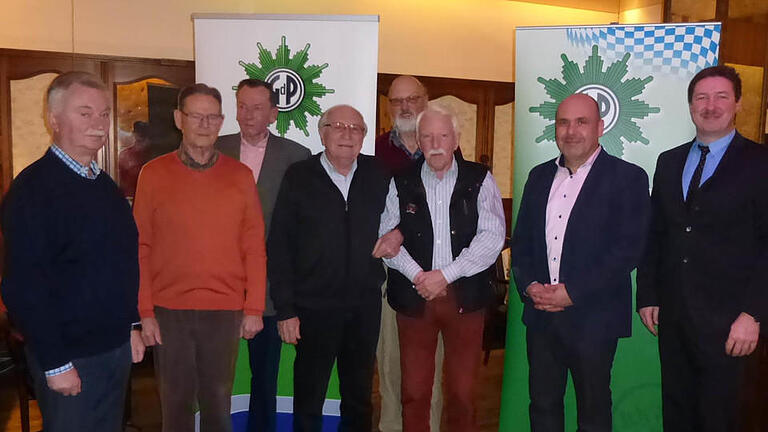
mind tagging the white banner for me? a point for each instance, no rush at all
(313, 61)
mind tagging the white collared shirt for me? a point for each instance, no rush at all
(340, 180)
(482, 250)
(562, 196)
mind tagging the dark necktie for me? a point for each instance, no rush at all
(693, 187)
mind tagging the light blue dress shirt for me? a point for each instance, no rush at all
(717, 149)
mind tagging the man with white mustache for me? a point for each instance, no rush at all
(450, 214)
(579, 234)
(399, 150)
(71, 272)
(702, 284)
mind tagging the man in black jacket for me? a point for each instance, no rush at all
(703, 280)
(325, 283)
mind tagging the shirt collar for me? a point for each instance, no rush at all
(716, 147)
(451, 173)
(326, 163)
(560, 161)
(394, 138)
(90, 172)
(259, 144)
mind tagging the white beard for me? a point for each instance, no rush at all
(405, 125)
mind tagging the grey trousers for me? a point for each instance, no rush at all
(99, 406)
(195, 367)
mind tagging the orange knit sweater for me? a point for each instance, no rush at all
(201, 237)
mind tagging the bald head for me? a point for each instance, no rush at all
(407, 99)
(577, 129)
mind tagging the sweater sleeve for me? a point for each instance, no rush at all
(29, 279)
(280, 248)
(142, 213)
(254, 251)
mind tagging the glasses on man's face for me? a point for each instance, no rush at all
(410, 100)
(198, 118)
(354, 129)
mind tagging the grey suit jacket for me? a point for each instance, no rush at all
(280, 154)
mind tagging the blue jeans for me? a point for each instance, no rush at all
(264, 354)
(99, 406)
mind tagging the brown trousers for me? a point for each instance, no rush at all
(195, 367)
(463, 340)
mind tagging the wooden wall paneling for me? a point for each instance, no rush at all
(120, 71)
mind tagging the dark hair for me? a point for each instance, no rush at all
(256, 83)
(66, 80)
(723, 71)
(195, 89)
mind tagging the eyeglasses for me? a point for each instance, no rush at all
(410, 100)
(212, 118)
(354, 129)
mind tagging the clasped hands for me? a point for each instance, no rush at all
(549, 297)
(430, 284)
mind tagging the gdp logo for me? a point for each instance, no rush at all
(294, 83)
(614, 97)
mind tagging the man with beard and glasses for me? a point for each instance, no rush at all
(450, 214)
(398, 150)
(576, 288)
(703, 280)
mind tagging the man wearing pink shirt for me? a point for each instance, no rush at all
(580, 232)
(268, 156)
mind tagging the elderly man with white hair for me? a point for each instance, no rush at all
(450, 214)
(71, 271)
(325, 283)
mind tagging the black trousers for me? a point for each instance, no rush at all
(700, 383)
(99, 406)
(349, 337)
(550, 357)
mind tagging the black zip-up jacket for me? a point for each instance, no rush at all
(319, 246)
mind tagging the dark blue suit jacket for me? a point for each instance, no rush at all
(603, 243)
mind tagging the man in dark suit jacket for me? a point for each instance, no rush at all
(703, 280)
(268, 156)
(580, 232)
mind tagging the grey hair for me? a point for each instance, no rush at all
(63, 82)
(436, 108)
(324, 117)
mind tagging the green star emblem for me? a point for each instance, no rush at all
(294, 82)
(616, 99)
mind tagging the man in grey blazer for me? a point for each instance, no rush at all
(268, 156)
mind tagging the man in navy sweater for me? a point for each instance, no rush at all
(71, 275)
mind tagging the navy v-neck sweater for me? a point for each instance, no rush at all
(71, 274)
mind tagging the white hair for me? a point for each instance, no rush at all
(436, 108)
(324, 117)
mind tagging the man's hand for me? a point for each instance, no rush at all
(289, 330)
(388, 245)
(430, 284)
(150, 331)
(742, 340)
(67, 383)
(251, 326)
(650, 317)
(137, 346)
(549, 298)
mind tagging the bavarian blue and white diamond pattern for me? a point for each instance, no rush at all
(679, 50)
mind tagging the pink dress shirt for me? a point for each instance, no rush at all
(562, 196)
(253, 155)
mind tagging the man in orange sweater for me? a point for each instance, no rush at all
(203, 266)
